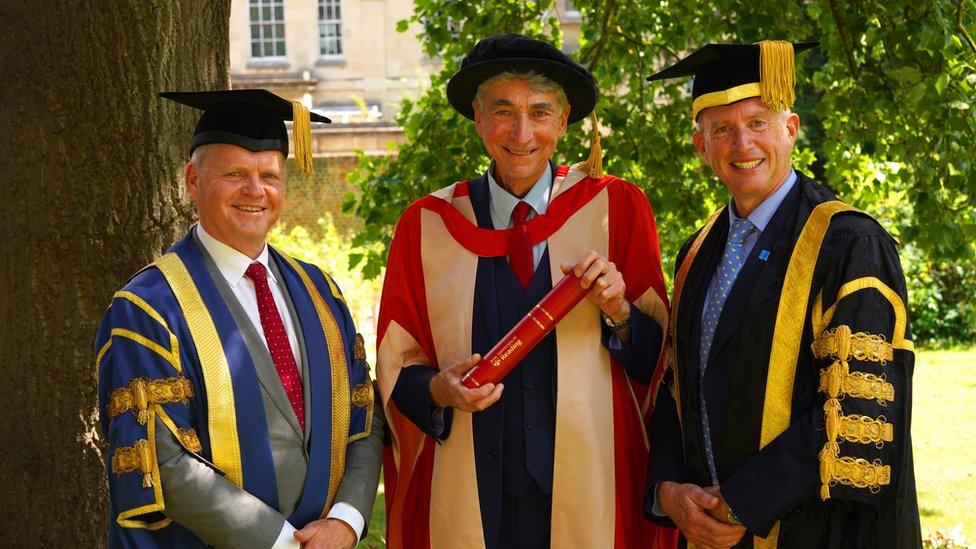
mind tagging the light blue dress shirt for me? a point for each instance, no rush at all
(502, 202)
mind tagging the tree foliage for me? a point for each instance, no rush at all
(886, 106)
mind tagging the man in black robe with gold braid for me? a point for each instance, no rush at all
(790, 350)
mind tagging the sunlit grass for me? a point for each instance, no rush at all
(944, 433)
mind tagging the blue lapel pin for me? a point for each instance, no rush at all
(763, 255)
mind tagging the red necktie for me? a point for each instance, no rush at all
(274, 332)
(520, 248)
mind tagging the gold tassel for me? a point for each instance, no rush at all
(593, 166)
(145, 462)
(141, 397)
(301, 136)
(776, 73)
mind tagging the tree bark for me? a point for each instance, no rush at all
(92, 165)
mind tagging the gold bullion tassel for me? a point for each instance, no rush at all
(301, 136)
(776, 73)
(140, 396)
(145, 463)
(593, 166)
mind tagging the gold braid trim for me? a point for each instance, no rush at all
(860, 345)
(189, 440)
(856, 472)
(132, 458)
(856, 428)
(141, 393)
(856, 384)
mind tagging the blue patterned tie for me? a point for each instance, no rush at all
(732, 260)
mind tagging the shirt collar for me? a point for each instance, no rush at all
(761, 216)
(230, 262)
(503, 202)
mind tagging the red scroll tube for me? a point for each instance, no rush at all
(527, 333)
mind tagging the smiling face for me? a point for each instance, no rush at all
(520, 127)
(238, 194)
(748, 146)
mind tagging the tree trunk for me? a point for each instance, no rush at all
(91, 160)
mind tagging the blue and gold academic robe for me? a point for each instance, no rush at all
(808, 380)
(170, 353)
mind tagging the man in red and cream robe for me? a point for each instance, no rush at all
(554, 455)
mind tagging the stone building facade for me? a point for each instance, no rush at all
(344, 59)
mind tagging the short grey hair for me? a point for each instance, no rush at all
(538, 82)
(199, 155)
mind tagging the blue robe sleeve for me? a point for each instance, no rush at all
(140, 379)
(411, 394)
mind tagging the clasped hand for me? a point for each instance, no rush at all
(700, 513)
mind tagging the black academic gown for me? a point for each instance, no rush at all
(776, 489)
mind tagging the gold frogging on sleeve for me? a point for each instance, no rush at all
(856, 384)
(142, 393)
(856, 472)
(861, 346)
(137, 457)
(837, 380)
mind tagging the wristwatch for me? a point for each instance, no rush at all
(617, 327)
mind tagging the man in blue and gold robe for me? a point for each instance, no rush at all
(233, 388)
(790, 349)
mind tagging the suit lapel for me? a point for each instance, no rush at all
(705, 263)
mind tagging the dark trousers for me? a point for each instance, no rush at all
(526, 518)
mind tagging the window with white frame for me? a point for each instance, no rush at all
(330, 28)
(267, 28)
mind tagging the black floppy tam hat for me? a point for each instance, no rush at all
(514, 52)
(726, 73)
(253, 119)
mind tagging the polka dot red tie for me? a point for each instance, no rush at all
(274, 332)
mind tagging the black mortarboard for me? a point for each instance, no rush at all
(252, 119)
(726, 73)
(514, 52)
